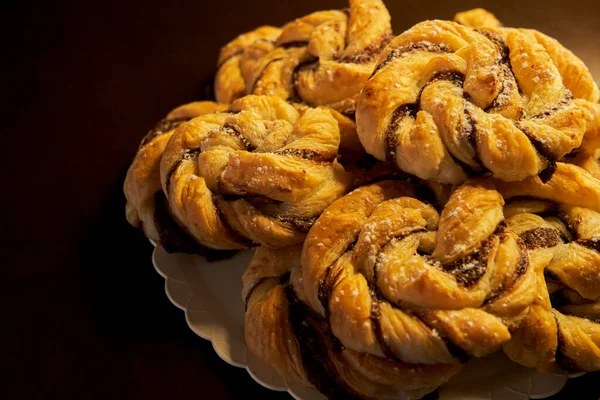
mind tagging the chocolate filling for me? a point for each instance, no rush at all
(567, 97)
(172, 237)
(187, 154)
(469, 269)
(541, 238)
(311, 155)
(454, 77)
(551, 277)
(419, 46)
(544, 151)
(231, 130)
(375, 316)
(163, 126)
(567, 363)
(245, 241)
(391, 134)
(306, 64)
(260, 75)
(593, 243)
(370, 52)
(467, 129)
(498, 41)
(301, 224)
(175, 239)
(521, 268)
(251, 291)
(376, 324)
(509, 82)
(315, 350)
(293, 44)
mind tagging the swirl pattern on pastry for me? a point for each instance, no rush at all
(323, 58)
(283, 332)
(561, 332)
(397, 280)
(236, 58)
(390, 297)
(142, 183)
(447, 101)
(258, 173)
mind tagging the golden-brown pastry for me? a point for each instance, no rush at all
(477, 18)
(561, 332)
(395, 279)
(447, 101)
(235, 58)
(258, 173)
(323, 58)
(283, 332)
(590, 162)
(390, 297)
(142, 183)
(569, 185)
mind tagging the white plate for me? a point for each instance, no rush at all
(210, 295)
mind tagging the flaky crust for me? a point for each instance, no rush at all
(390, 297)
(143, 176)
(397, 280)
(282, 331)
(259, 173)
(447, 101)
(561, 332)
(323, 58)
(235, 58)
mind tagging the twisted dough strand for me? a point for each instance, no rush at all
(372, 266)
(235, 56)
(260, 172)
(561, 332)
(142, 182)
(447, 101)
(323, 58)
(283, 332)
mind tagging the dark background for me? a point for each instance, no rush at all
(81, 84)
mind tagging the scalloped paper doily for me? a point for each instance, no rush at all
(209, 293)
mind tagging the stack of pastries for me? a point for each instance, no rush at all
(415, 201)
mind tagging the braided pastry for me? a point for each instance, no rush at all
(259, 173)
(236, 57)
(283, 332)
(323, 58)
(142, 183)
(395, 279)
(447, 101)
(390, 297)
(561, 332)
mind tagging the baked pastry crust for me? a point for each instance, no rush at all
(561, 332)
(235, 58)
(283, 332)
(397, 280)
(323, 58)
(142, 181)
(258, 173)
(447, 101)
(390, 297)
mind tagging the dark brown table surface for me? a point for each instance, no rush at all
(82, 82)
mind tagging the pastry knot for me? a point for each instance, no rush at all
(323, 58)
(397, 279)
(447, 101)
(145, 199)
(561, 332)
(257, 173)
